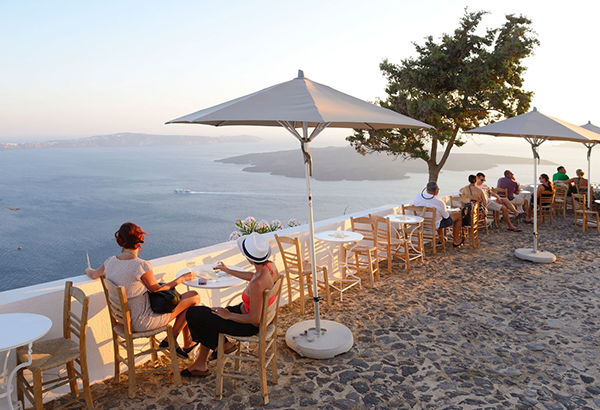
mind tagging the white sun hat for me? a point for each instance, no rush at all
(255, 247)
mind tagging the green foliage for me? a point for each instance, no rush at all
(250, 224)
(463, 81)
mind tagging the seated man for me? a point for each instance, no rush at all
(442, 218)
(562, 178)
(515, 197)
(497, 205)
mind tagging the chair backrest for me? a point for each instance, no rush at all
(502, 192)
(384, 230)
(560, 192)
(74, 324)
(429, 229)
(269, 313)
(546, 200)
(475, 215)
(366, 227)
(291, 253)
(118, 307)
(579, 202)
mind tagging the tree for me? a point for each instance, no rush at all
(464, 81)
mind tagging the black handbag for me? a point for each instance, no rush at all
(164, 301)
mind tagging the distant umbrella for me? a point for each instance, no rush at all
(536, 128)
(589, 146)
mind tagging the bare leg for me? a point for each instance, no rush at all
(201, 361)
(188, 299)
(507, 218)
(456, 228)
(509, 205)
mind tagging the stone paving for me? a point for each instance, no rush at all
(467, 330)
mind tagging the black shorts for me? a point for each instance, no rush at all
(446, 222)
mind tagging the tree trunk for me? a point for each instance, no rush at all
(435, 167)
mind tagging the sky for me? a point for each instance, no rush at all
(71, 69)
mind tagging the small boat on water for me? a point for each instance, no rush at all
(182, 191)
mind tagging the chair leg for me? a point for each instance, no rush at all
(327, 290)
(274, 375)
(73, 382)
(85, 381)
(130, 368)
(116, 360)
(389, 258)
(263, 373)
(154, 346)
(219, 380)
(173, 353)
(37, 390)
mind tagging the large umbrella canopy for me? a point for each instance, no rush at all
(594, 128)
(536, 128)
(301, 103)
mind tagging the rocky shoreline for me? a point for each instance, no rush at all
(467, 330)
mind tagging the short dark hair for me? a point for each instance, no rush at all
(507, 173)
(559, 168)
(480, 174)
(472, 179)
(432, 186)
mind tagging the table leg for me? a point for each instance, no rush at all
(7, 382)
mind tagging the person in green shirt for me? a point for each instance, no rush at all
(561, 175)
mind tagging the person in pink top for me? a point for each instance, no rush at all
(206, 323)
(513, 193)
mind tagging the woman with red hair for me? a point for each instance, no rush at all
(136, 275)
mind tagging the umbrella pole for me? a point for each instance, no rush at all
(311, 230)
(536, 159)
(589, 185)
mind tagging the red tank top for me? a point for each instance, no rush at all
(246, 298)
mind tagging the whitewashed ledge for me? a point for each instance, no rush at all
(47, 298)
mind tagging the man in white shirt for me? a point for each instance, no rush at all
(443, 219)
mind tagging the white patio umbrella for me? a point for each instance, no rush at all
(303, 104)
(536, 128)
(589, 145)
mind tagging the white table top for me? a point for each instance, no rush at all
(215, 282)
(405, 219)
(451, 210)
(20, 329)
(597, 201)
(339, 236)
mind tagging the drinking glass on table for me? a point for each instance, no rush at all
(190, 263)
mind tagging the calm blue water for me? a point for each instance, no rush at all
(73, 200)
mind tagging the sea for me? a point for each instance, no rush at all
(72, 200)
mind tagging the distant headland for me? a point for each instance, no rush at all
(129, 139)
(344, 163)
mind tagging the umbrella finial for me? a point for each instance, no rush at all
(534, 109)
(300, 74)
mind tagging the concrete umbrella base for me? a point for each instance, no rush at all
(538, 257)
(334, 339)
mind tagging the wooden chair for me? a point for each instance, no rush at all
(266, 341)
(560, 199)
(124, 337)
(366, 259)
(546, 206)
(501, 192)
(415, 237)
(300, 271)
(472, 231)
(483, 220)
(583, 215)
(430, 232)
(62, 351)
(390, 243)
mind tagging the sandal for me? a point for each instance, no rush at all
(214, 354)
(462, 241)
(194, 373)
(515, 229)
(181, 352)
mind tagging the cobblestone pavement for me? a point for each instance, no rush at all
(467, 330)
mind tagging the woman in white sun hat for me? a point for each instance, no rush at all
(206, 323)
